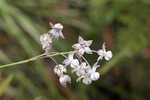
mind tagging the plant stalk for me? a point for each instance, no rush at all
(34, 58)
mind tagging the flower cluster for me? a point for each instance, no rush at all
(75, 59)
(83, 46)
(54, 32)
(63, 78)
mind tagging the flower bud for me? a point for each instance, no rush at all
(95, 76)
(59, 69)
(46, 41)
(56, 30)
(64, 79)
(87, 81)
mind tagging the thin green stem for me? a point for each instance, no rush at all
(33, 59)
(85, 60)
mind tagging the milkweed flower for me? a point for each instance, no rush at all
(71, 61)
(60, 69)
(78, 63)
(104, 54)
(83, 46)
(86, 79)
(94, 75)
(64, 79)
(88, 74)
(56, 30)
(46, 41)
(80, 70)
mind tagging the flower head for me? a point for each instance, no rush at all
(88, 74)
(80, 69)
(46, 41)
(83, 46)
(87, 80)
(71, 61)
(83, 72)
(104, 54)
(64, 79)
(79, 65)
(56, 30)
(95, 76)
(60, 69)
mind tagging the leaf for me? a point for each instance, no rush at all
(3, 57)
(4, 85)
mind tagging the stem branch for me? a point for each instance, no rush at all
(33, 59)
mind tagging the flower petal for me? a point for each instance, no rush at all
(108, 55)
(87, 81)
(66, 62)
(88, 43)
(95, 76)
(76, 46)
(101, 52)
(88, 50)
(51, 24)
(81, 52)
(74, 63)
(61, 34)
(70, 56)
(64, 79)
(80, 39)
(58, 26)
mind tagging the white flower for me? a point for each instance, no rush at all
(59, 69)
(80, 70)
(95, 76)
(103, 53)
(64, 79)
(46, 41)
(56, 30)
(83, 71)
(70, 61)
(91, 74)
(74, 63)
(87, 80)
(87, 74)
(83, 46)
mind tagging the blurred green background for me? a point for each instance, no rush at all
(123, 24)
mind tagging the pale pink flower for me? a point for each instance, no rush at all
(83, 46)
(94, 75)
(64, 79)
(89, 74)
(104, 54)
(87, 80)
(46, 41)
(59, 69)
(71, 61)
(80, 70)
(56, 30)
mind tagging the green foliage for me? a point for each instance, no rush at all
(5, 84)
